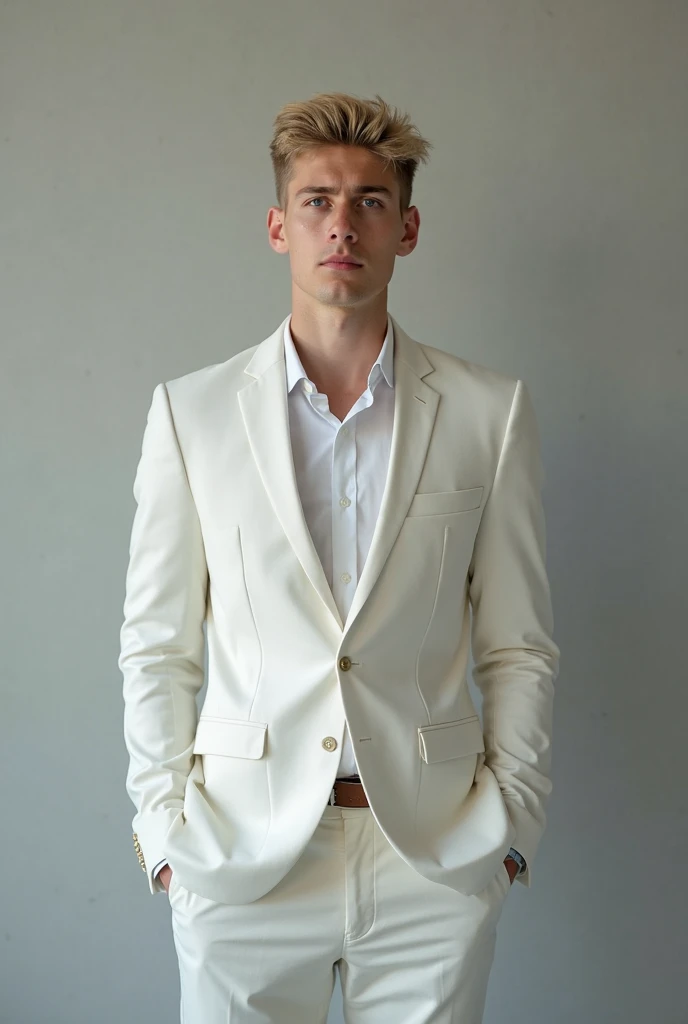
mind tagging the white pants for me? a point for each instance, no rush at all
(408, 950)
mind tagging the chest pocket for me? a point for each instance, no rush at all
(438, 503)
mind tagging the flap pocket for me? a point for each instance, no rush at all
(230, 737)
(437, 503)
(451, 739)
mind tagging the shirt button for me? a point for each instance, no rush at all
(345, 578)
(329, 743)
(345, 664)
(307, 386)
(345, 502)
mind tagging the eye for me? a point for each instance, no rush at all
(320, 199)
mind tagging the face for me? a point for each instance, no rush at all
(341, 202)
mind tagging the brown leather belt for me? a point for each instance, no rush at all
(348, 793)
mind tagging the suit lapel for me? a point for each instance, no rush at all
(263, 404)
(415, 408)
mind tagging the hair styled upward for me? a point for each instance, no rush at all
(336, 118)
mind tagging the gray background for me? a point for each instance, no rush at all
(134, 183)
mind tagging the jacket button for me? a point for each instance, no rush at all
(329, 743)
(345, 664)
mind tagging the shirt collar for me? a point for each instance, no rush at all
(384, 362)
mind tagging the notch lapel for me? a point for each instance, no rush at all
(415, 409)
(263, 404)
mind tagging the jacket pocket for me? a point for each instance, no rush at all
(451, 739)
(436, 503)
(230, 737)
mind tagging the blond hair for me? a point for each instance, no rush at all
(337, 118)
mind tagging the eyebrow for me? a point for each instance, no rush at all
(329, 190)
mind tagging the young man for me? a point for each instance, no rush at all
(332, 503)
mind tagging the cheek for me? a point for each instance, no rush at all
(305, 226)
(305, 243)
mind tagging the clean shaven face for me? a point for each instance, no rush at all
(340, 205)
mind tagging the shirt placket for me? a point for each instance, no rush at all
(344, 517)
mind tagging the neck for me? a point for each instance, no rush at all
(338, 349)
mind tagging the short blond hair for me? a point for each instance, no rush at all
(337, 118)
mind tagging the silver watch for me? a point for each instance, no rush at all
(519, 860)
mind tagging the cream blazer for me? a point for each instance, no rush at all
(220, 554)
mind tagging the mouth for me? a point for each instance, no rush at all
(341, 264)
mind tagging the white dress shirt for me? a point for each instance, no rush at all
(341, 469)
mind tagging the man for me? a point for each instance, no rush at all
(333, 503)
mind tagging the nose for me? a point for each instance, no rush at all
(341, 226)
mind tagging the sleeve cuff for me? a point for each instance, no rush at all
(158, 868)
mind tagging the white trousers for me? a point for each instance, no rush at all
(408, 950)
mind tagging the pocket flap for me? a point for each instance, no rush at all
(230, 737)
(437, 503)
(451, 739)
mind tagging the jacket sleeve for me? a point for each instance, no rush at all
(162, 639)
(516, 660)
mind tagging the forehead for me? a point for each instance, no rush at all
(334, 165)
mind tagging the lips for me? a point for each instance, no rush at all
(335, 262)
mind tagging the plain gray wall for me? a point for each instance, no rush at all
(134, 182)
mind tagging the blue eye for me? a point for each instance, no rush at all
(319, 199)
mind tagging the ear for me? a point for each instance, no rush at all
(275, 224)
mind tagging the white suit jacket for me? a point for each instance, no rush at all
(231, 797)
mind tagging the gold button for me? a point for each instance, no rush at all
(345, 664)
(329, 743)
(139, 854)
